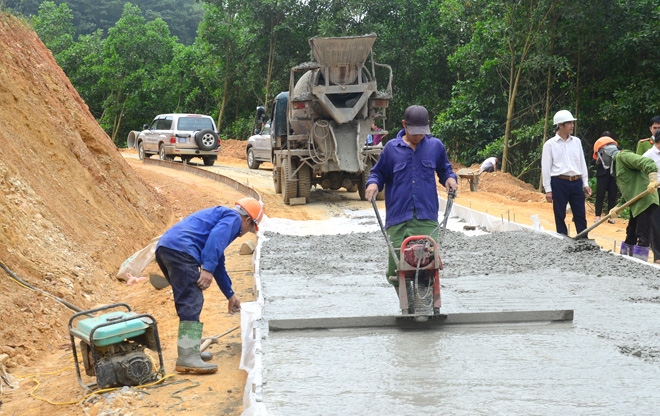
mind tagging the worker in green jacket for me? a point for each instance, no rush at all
(634, 174)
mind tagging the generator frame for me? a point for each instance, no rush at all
(149, 338)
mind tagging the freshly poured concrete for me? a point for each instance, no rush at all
(607, 361)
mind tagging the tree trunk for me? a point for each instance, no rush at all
(272, 44)
(548, 88)
(228, 54)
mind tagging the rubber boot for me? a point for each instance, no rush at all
(190, 359)
(625, 249)
(640, 252)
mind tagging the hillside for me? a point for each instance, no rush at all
(71, 208)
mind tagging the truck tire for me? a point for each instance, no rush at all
(277, 180)
(206, 139)
(289, 186)
(209, 160)
(362, 185)
(304, 181)
(162, 155)
(252, 163)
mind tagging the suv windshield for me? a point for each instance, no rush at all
(195, 123)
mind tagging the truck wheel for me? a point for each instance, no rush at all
(252, 164)
(140, 151)
(206, 140)
(162, 155)
(304, 181)
(209, 161)
(289, 186)
(362, 185)
(277, 180)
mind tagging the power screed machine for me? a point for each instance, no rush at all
(418, 269)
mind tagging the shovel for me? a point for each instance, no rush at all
(607, 217)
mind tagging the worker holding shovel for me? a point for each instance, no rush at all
(637, 178)
(191, 255)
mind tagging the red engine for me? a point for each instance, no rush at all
(418, 272)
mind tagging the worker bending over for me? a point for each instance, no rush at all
(191, 255)
(634, 174)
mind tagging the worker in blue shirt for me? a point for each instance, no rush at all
(407, 168)
(191, 255)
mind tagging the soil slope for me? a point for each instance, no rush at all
(71, 208)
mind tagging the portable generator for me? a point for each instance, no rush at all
(112, 346)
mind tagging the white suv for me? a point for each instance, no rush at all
(182, 135)
(258, 148)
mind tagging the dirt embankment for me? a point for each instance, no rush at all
(71, 208)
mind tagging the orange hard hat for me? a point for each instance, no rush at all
(253, 208)
(603, 141)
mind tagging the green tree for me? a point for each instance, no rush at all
(136, 53)
(54, 25)
(226, 37)
(83, 64)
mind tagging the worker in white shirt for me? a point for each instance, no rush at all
(489, 165)
(565, 175)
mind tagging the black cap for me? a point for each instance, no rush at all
(417, 120)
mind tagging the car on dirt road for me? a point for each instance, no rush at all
(258, 148)
(178, 135)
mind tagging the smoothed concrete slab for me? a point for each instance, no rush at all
(481, 318)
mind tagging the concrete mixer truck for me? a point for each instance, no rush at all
(320, 128)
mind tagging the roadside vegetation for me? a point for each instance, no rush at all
(492, 73)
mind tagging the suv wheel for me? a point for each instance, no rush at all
(252, 164)
(141, 151)
(206, 140)
(209, 161)
(162, 155)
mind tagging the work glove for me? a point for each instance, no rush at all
(653, 181)
(614, 212)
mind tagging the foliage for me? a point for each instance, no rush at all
(491, 72)
(136, 55)
(182, 16)
(54, 25)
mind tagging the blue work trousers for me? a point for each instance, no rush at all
(182, 271)
(568, 192)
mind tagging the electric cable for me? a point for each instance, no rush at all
(23, 283)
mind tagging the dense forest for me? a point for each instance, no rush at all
(491, 72)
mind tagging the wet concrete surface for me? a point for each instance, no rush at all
(607, 361)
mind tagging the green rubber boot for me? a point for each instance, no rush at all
(190, 359)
